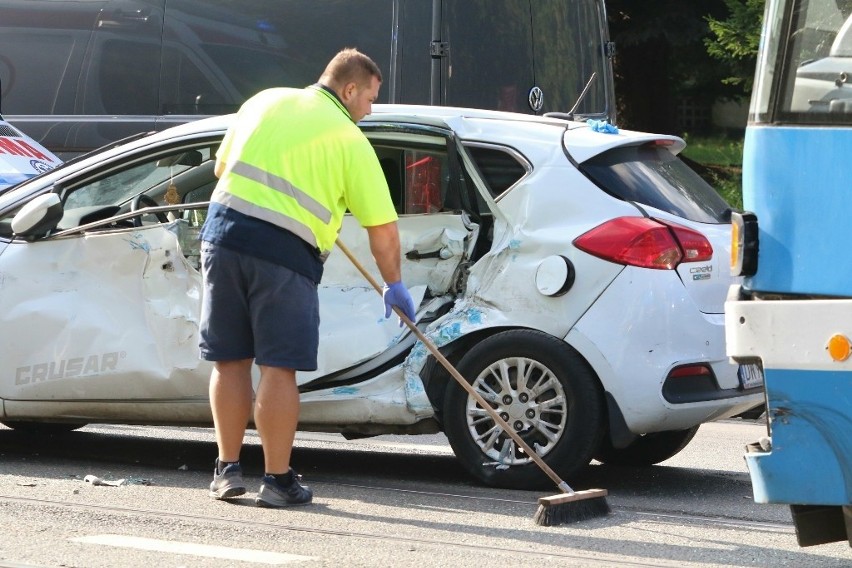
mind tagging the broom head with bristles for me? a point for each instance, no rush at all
(571, 507)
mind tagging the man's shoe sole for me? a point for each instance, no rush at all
(228, 493)
(268, 505)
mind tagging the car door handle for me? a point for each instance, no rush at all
(443, 253)
(118, 18)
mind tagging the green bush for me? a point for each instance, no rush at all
(719, 161)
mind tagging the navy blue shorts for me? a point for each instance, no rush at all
(253, 308)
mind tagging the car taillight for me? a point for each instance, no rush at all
(647, 243)
(696, 370)
(690, 383)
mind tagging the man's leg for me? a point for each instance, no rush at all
(231, 402)
(276, 415)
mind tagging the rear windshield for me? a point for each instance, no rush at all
(651, 175)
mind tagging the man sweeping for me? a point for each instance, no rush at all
(290, 166)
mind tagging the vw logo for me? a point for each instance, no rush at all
(536, 99)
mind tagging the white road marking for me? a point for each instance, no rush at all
(189, 548)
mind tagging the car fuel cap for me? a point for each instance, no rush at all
(554, 276)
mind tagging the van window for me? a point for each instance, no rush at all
(120, 74)
(127, 73)
(241, 48)
(490, 60)
(568, 45)
(415, 62)
(191, 92)
(34, 81)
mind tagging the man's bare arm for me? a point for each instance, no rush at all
(384, 244)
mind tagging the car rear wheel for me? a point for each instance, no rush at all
(43, 427)
(543, 389)
(648, 449)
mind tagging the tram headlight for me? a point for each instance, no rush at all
(743, 243)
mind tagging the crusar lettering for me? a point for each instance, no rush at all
(20, 148)
(67, 368)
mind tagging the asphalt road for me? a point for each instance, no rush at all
(388, 501)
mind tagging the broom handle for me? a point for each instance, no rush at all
(461, 380)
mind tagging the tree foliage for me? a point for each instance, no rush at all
(736, 40)
(664, 56)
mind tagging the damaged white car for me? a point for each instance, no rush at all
(575, 277)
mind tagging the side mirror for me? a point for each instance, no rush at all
(37, 217)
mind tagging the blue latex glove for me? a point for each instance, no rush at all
(602, 126)
(396, 294)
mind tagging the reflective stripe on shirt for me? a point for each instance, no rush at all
(278, 183)
(268, 215)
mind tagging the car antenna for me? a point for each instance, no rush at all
(570, 114)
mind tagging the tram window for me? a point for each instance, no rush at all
(819, 65)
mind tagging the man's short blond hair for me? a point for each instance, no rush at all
(350, 66)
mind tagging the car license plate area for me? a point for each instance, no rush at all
(750, 375)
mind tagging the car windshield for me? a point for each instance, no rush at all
(651, 175)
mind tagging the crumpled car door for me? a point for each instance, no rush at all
(437, 237)
(102, 315)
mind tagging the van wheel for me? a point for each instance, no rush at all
(646, 450)
(43, 427)
(542, 388)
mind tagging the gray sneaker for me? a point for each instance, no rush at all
(272, 494)
(228, 483)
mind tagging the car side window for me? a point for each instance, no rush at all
(196, 217)
(154, 177)
(116, 188)
(419, 179)
(499, 168)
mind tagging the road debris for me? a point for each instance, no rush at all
(95, 480)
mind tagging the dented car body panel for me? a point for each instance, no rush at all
(121, 305)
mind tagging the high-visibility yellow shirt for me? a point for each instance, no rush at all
(294, 158)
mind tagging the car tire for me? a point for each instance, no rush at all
(646, 450)
(43, 427)
(562, 420)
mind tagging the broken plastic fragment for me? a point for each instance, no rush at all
(95, 480)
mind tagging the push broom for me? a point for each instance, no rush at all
(566, 507)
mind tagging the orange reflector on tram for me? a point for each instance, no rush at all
(839, 347)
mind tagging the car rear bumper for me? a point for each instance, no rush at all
(641, 328)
